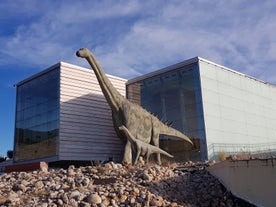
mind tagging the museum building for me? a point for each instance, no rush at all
(61, 113)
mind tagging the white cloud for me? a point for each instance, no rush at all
(238, 37)
(134, 37)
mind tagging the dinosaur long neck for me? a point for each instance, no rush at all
(129, 136)
(112, 96)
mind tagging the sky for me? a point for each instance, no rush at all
(131, 38)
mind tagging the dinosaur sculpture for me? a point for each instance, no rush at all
(142, 148)
(141, 124)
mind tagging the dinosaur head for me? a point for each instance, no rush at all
(83, 52)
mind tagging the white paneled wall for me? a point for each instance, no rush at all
(86, 128)
(237, 109)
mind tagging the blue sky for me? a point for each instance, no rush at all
(131, 38)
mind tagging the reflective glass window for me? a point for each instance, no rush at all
(175, 98)
(37, 115)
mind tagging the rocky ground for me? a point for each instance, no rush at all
(182, 184)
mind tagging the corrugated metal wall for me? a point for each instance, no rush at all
(86, 128)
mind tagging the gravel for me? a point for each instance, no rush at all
(113, 184)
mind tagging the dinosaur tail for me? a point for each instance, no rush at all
(169, 131)
(165, 153)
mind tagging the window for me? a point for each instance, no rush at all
(37, 117)
(175, 97)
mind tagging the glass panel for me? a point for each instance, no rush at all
(175, 97)
(36, 127)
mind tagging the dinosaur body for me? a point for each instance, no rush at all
(142, 148)
(140, 123)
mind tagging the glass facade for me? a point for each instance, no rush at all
(37, 117)
(175, 98)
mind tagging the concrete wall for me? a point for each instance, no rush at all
(251, 180)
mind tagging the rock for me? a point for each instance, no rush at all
(65, 198)
(73, 202)
(132, 200)
(24, 182)
(43, 205)
(114, 165)
(105, 201)
(84, 204)
(43, 166)
(141, 161)
(94, 198)
(53, 194)
(52, 205)
(71, 172)
(173, 204)
(108, 165)
(13, 197)
(3, 199)
(85, 182)
(58, 186)
(65, 186)
(123, 198)
(93, 170)
(60, 202)
(39, 185)
(19, 187)
(113, 184)
(158, 201)
(146, 176)
(75, 195)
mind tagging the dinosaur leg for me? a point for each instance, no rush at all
(128, 153)
(147, 156)
(155, 140)
(138, 155)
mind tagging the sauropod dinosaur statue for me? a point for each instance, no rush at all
(142, 148)
(141, 124)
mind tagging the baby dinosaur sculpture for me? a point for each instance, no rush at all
(142, 148)
(140, 123)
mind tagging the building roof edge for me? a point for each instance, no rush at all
(190, 61)
(38, 74)
(234, 71)
(165, 69)
(60, 64)
(83, 68)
